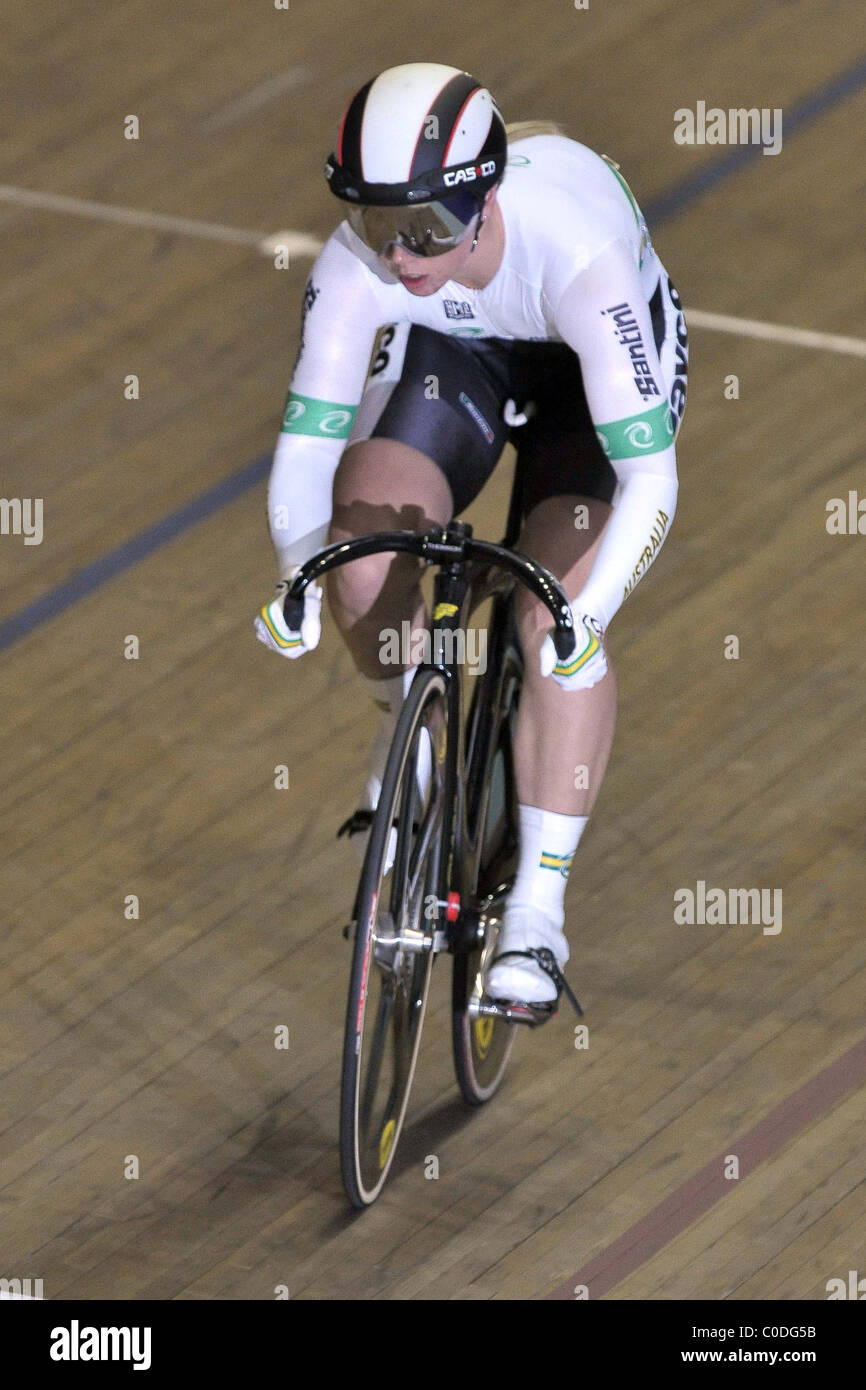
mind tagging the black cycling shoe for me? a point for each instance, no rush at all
(361, 820)
(358, 822)
(539, 1013)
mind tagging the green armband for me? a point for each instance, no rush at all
(327, 419)
(638, 434)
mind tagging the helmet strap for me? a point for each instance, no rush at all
(481, 222)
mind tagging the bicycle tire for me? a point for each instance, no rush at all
(369, 1137)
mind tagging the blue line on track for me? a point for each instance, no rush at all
(690, 189)
(144, 543)
(686, 191)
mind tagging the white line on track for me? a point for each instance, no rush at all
(236, 111)
(296, 243)
(302, 244)
(776, 333)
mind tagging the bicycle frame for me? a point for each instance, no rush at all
(464, 574)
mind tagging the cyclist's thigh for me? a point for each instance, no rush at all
(569, 483)
(559, 450)
(383, 485)
(386, 485)
(562, 533)
(435, 395)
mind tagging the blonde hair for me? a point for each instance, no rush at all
(524, 130)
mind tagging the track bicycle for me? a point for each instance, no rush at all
(443, 841)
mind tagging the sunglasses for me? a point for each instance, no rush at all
(429, 229)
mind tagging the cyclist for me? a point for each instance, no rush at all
(485, 285)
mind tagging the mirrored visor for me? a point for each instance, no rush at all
(429, 229)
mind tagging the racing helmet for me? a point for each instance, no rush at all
(417, 150)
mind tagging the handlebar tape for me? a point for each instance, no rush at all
(293, 612)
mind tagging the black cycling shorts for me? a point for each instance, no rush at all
(445, 396)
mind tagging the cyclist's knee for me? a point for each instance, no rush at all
(383, 485)
(358, 589)
(533, 621)
(562, 534)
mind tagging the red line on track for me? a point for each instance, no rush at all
(700, 1192)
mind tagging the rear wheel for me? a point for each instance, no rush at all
(482, 1045)
(394, 941)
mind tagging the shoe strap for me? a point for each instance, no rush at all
(361, 820)
(357, 823)
(544, 957)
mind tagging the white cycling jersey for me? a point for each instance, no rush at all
(578, 267)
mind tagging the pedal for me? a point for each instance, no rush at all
(531, 1015)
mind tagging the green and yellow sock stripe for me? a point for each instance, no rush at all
(570, 668)
(560, 863)
(284, 643)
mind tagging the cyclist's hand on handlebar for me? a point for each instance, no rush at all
(586, 666)
(271, 625)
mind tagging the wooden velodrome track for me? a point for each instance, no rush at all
(154, 1037)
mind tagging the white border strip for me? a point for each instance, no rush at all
(776, 333)
(296, 243)
(236, 111)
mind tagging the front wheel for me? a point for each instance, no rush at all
(394, 940)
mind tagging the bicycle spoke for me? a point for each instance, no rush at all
(428, 828)
(377, 1053)
(392, 956)
(400, 867)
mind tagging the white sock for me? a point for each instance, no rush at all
(547, 845)
(388, 695)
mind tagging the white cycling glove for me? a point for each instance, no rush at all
(586, 666)
(271, 626)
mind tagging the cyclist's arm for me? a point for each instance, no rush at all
(627, 400)
(340, 316)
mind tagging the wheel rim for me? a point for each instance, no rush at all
(397, 963)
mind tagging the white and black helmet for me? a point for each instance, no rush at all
(418, 133)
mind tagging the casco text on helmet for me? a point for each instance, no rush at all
(418, 132)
